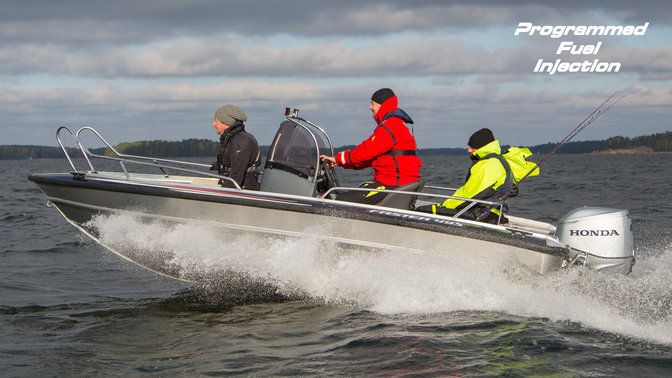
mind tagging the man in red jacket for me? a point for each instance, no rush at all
(390, 151)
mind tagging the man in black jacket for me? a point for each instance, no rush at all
(239, 156)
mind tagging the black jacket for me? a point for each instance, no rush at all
(238, 157)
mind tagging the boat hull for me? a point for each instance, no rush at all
(351, 226)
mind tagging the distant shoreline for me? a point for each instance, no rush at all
(629, 151)
(576, 148)
(645, 144)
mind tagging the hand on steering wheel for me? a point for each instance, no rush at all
(328, 164)
(330, 160)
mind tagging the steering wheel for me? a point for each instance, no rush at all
(329, 174)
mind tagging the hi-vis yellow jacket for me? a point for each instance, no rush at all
(488, 174)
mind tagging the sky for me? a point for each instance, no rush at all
(158, 69)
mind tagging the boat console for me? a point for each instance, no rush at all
(293, 163)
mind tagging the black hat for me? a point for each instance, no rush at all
(382, 95)
(481, 138)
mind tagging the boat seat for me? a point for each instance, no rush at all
(403, 201)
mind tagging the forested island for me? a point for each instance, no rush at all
(661, 142)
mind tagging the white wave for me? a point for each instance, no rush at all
(397, 281)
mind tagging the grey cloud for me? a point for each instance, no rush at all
(237, 58)
(137, 22)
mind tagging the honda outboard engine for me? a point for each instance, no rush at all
(598, 238)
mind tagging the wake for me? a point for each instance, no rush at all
(398, 281)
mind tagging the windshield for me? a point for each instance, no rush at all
(294, 147)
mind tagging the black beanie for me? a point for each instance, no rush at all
(382, 95)
(481, 138)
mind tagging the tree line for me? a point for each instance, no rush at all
(661, 142)
(658, 142)
(162, 148)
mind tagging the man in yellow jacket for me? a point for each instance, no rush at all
(489, 179)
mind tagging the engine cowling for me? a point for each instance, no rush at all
(598, 238)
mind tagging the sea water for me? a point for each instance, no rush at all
(299, 307)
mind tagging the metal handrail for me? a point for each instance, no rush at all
(65, 151)
(312, 135)
(331, 146)
(89, 128)
(472, 202)
(439, 188)
(134, 159)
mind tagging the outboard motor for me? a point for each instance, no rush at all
(598, 238)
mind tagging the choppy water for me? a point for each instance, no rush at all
(69, 307)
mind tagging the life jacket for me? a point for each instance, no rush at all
(495, 182)
(516, 167)
(516, 156)
(390, 151)
(508, 183)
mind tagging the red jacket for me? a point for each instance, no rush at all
(391, 134)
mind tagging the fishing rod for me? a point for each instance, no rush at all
(591, 117)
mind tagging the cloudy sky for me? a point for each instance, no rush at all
(158, 69)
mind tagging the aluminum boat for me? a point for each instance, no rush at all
(297, 192)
